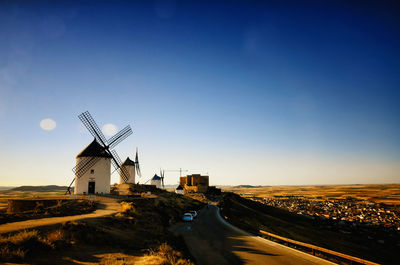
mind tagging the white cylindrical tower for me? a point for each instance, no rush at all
(129, 167)
(96, 179)
(156, 181)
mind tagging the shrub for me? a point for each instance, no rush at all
(17, 247)
(127, 208)
(163, 255)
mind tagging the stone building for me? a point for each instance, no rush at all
(194, 183)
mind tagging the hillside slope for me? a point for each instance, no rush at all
(138, 233)
(254, 216)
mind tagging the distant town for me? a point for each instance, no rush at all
(342, 211)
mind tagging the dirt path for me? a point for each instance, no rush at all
(107, 206)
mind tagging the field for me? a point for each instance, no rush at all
(10, 194)
(382, 193)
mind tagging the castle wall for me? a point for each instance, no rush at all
(182, 181)
(195, 183)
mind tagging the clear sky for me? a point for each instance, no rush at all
(251, 92)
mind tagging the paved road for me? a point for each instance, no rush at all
(107, 206)
(211, 240)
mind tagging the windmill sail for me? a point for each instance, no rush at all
(137, 166)
(85, 164)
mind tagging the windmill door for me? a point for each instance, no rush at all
(91, 187)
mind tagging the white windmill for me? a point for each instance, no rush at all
(93, 164)
(132, 167)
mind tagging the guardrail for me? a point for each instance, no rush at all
(351, 259)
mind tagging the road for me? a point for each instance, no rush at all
(211, 240)
(107, 206)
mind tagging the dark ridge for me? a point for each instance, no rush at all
(247, 186)
(40, 188)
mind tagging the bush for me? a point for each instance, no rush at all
(127, 208)
(163, 255)
(17, 247)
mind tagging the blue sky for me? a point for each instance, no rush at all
(251, 92)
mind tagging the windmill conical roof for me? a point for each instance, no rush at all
(128, 162)
(94, 149)
(156, 177)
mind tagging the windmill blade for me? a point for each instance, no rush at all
(119, 137)
(116, 161)
(148, 180)
(138, 170)
(91, 125)
(137, 166)
(162, 179)
(121, 170)
(69, 187)
(84, 165)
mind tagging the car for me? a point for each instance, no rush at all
(188, 217)
(193, 213)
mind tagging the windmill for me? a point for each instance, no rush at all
(156, 180)
(132, 167)
(102, 146)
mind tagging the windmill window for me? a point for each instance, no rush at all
(92, 171)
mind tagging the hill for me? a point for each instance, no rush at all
(5, 188)
(47, 188)
(137, 234)
(246, 186)
(361, 242)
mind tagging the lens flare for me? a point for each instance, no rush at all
(109, 129)
(48, 124)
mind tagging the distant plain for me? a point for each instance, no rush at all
(378, 193)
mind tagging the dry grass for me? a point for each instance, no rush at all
(385, 193)
(127, 208)
(17, 247)
(118, 259)
(197, 196)
(142, 224)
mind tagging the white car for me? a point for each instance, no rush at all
(188, 217)
(193, 213)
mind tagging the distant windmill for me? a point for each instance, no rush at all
(156, 180)
(132, 167)
(98, 149)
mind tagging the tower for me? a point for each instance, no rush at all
(156, 181)
(97, 177)
(129, 167)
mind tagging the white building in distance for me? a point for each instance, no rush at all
(179, 190)
(129, 167)
(97, 178)
(156, 181)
